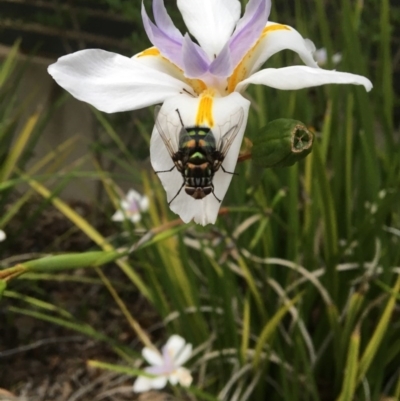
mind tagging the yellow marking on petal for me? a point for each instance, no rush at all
(241, 71)
(197, 84)
(152, 51)
(204, 112)
(277, 27)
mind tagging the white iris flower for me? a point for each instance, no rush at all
(131, 207)
(204, 81)
(2, 235)
(166, 366)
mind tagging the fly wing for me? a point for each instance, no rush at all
(164, 128)
(228, 138)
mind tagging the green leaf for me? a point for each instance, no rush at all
(71, 261)
(3, 286)
(380, 331)
(270, 328)
(350, 374)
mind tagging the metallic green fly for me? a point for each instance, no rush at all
(198, 155)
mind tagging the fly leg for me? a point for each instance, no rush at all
(215, 196)
(180, 189)
(227, 172)
(166, 171)
(180, 118)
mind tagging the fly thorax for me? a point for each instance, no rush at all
(197, 158)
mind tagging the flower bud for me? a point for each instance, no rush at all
(281, 143)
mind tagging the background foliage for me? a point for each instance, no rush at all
(294, 293)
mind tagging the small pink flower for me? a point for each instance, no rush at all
(166, 366)
(131, 207)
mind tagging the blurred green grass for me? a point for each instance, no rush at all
(294, 294)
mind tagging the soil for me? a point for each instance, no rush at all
(41, 361)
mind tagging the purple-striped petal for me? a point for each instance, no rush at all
(195, 62)
(164, 21)
(249, 28)
(222, 66)
(159, 370)
(167, 43)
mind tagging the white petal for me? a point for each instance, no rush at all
(202, 211)
(274, 38)
(111, 82)
(133, 196)
(182, 357)
(118, 216)
(300, 76)
(211, 22)
(152, 59)
(173, 378)
(142, 384)
(125, 205)
(152, 357)
(181, 376)
(136, 217)
(159, 382)
(174, 345)
(144, 203)
(184, 377)
(2, 235)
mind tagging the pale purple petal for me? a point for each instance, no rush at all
(169, 45)
(222, 66)
(159, 370)
(249, 28)
(195, 62)
(164, 21)
(169, 365)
